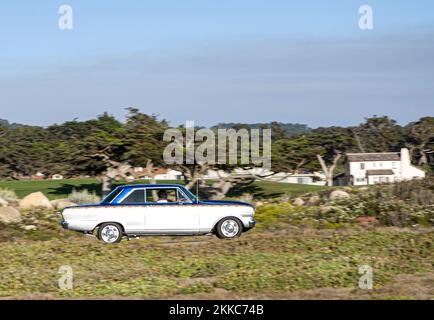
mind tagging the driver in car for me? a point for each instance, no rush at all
(162, 197)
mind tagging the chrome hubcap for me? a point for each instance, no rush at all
(229, 228)
(110, 234)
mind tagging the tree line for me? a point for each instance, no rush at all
(108, 148)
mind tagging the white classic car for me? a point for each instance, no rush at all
(158, 209)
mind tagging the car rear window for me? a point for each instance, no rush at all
(137, 196)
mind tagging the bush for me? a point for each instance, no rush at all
(401, 204)
(83, 197)
(404, 203)
(8, 195)
(271, 214)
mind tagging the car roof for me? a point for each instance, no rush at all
(150, 186)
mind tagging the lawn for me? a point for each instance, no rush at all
(55, 189)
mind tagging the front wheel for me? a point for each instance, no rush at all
(229, 228)
(110, 232)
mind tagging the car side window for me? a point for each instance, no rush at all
(137, 196)
(161, 195)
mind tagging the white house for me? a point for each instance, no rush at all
(169, 175)
(315, 178)
(371, 168)
(138, 173)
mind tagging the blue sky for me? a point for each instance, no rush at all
(217, 61)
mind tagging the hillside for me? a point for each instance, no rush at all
(6, 124)
(289, 128)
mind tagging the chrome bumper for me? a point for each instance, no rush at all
(252, 223)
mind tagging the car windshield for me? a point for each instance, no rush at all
(189, 194)
(111, 196)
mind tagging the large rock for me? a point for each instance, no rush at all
(298, 202)
(60, 204)
(9, 215)
(259, 203)
(339, 194)
(314, 199)
(35, 200)
(29, 227)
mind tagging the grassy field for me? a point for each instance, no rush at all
(302, 263)
(56, 189)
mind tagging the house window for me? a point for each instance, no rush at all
(381, 179)
(362, 166)
(360, 179)
(303, 180)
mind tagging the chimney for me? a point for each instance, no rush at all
(405, 161)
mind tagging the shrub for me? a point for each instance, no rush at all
(8, 195)
(83, 197)
(399, 204)
(271, 214)
(406, 203)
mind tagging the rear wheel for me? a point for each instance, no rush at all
(229, 228)
(110, 232)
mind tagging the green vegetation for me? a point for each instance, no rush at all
(8, 195)
(402, 204)
(311, 251)
(53, 189)
(256, 263)
(98, 146)
(264, 190)
(84, 196)
(57, 189)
